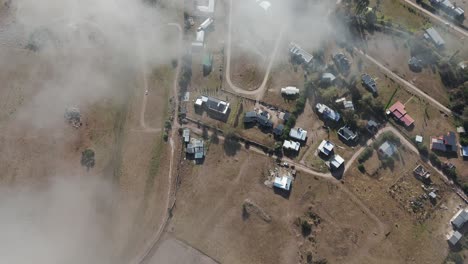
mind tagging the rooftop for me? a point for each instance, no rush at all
(445, 143)
(459, 219)
(207, 8)
(336, 161)
(435, 37)
(369, 83)
(292, 145)
(282, 182)
(346, 133)
(326, 147)
(327, 112)
(387, 149)
(278, 131)
(454, 237)
(297, 50)
(398, 111)
(464, 151)
(298, 133)
(290, 90)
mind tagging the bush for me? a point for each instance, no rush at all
(435, 160)
(306, 228)
(423, 150)
(87, 158)
(361, 168)
(165, 136)
(167, 124)
(365, 155)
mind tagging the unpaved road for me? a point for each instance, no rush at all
(261, 89)
(148, 252)
(439, 19)
(407, 85)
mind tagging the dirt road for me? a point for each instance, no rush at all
(148, 252)
(259, 92)
(408, 86)
(439, 19)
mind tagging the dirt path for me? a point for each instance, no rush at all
(439, 19)
(149, 251)
(259, 92)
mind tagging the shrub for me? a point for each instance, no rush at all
(87, 158)
(167, 124)
(306, 228)
(165, 136)
(361, 168)
(365, 155)
(435, 160)
(423, 150)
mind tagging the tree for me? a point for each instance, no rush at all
(87, 158)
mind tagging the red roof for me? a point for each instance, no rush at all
(399, 112)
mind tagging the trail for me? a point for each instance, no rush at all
(258, 92)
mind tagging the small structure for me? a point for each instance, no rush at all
(445, 143)
(263, 121)
(421, 173)
(326, 148)
(348, 105)
(205, 10)
(415, 64)
(298, 134)
(336, 162)
(290, 91)
(284, 116)
(197, 46)
(72, 115)
(372, 127)
(328, 78)
(398, 112)
(296, 51)
(196, 149)
(265, 5)
(289, 145)
(369, 83)
(207, 63)
(206, 24)
(387, 149)
(327, 112)
(464, 152)
(341, 61)
(418, 139)
(432, 196)
(278, 130)
(459, 219)
(282, 182)
(452, 10)
(347, 134)
(186, 135)
(453, 238)
(461, 130)
(434, 36)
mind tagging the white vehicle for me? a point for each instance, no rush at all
(205, 24)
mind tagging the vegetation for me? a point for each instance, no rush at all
(298, 109)
(88, 158)
(361, 168)
(165, 136)
(365, 155)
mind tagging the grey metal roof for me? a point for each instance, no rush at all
(388, 149)
(346, 133)
(435, 37)
(369, 83)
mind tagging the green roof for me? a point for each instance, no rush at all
(207, 59)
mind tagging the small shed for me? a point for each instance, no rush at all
(326, 147)
(453, 238)
(336, 162)
(418, 139)
(186, 135)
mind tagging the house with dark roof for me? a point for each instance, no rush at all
(369, 83)
(415, 64)
(450, 9)
(445, 143)
(398, 112)
(372, 127)
(347, 134)
(459, 219)
(387, 149)
(278, 130)
(327, 78)
(264, 122)
(341, 62)
(250, 117)
(327, 112)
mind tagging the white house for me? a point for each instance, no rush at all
(336, 162)
(291, 145)
(459, 219)
(326, 147)
(298, 134)
(282, 182)
(205, 24)
(207, 9)
(290, 90)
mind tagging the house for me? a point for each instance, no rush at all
(298, 134)
(186, 135)
(278, 130)
(204, 8)
(449, 8)
(200, 37)
(418, 139)
(296, 51)
(336, 162)
(206, 24)
(326, 147)
(327, 112)
(341, 61)
(421, 173)
(369, 83)
(453, 238)
(250, 117)
(415, 64)
(372, 127)
(461, 130)
(347, 134)
(215, 107)
(289, 91)
(265, 5)
(387, 149)
(196, 149)
(398, 111)
(263, 121)
(282, 182)
(348, 105)
(328, 78)
(434, 36)
(445, 143)
(291, 145)
(459, 219)
(284, 116)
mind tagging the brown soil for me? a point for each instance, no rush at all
(247, 68)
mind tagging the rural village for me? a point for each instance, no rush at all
(276, 132)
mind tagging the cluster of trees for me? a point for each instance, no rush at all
(185, 73)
